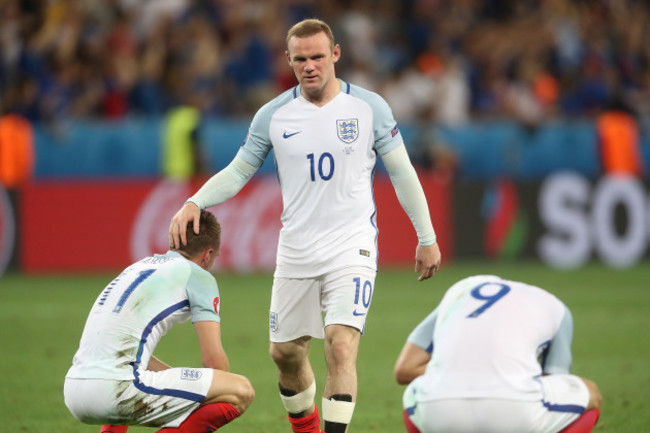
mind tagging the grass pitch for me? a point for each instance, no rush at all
(41, 319)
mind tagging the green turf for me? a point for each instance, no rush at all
(41, 319)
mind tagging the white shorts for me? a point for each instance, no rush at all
(155, 399)
(305, 306)
(565, 398)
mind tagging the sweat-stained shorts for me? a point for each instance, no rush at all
(155, 399)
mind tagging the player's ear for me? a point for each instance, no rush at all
(336, 53)
(206, 257)
(288, 56)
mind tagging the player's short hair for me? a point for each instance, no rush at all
(209, 235)
(310, 27)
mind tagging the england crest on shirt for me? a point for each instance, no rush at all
(347, 130)
(191, 374)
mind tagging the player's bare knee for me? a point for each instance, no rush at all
(286, 355)
(339, 350)
(279, 355)
(245, 394)
(595, 397)
(342, 348)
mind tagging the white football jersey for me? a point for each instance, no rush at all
(492, 338)
(136, 309)
(325, 159)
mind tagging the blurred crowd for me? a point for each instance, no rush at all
(446, 61)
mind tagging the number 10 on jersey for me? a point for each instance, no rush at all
(325, 166)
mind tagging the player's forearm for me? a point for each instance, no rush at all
(218, 362)
(404, 377)
(410, 193)
(224, 185)
(411, 363)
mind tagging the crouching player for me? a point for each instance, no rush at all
(494, 356)
(115, 379)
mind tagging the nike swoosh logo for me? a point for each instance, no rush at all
(285, 135)
(356, 313)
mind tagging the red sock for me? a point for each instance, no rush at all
(206, 418)
(306, 424)
(584, 424)
(107, 428)
(410, 427)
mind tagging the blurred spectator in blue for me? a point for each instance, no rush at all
(533, 60)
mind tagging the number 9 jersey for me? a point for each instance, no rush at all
(325, 158)
(493, 338)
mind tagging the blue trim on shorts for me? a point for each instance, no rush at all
(573, 408)
(412, 390)
(410, 410)
(138, 359)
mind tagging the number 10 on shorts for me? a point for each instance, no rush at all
(363, 294)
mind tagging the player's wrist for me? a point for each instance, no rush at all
(195, 202)
(428, 240)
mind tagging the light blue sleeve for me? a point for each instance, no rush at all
(203, 295)
(422, 335)
(257, 144)
(387, 135)
(557, 359)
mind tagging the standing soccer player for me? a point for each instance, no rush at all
(325, 135)
(115, 379)
(494, 356)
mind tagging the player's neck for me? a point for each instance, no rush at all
(328, 93)
(196, 259)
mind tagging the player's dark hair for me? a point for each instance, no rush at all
(311, 27)
(209, 235)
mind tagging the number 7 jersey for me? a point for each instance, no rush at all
(325, 159)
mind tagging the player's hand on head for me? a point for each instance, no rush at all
(427, 260)
(177, 233)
